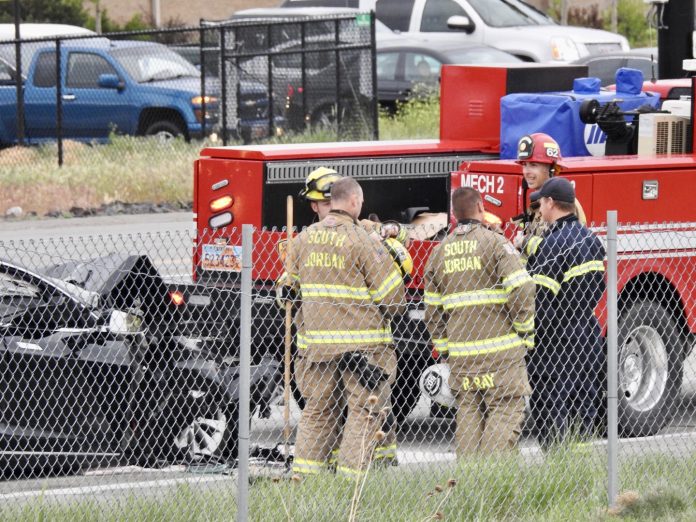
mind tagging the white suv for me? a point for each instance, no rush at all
(510, 25)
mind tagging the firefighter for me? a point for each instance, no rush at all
(480, 314)
(350, 289)
(317, 191)
(539, 155)
(568, 269)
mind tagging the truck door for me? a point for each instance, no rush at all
(91, 111)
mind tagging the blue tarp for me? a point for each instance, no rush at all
(557, 114)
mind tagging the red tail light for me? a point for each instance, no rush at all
(177, 298)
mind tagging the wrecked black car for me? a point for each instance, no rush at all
(93, 373)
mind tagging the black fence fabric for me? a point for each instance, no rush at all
(223, 82)
(120, 382)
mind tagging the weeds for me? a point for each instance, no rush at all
(138, 170)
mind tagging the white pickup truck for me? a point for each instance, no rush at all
(510, 25)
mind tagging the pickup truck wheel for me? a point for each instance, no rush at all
(650, 368)
(164, 130)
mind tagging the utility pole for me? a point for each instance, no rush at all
(156, 14)
(614, 16)
(97, 19)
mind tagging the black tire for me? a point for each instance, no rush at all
(651, 358)
(164, 129)
(157, 443)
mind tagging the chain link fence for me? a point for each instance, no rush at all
(237, 81)
(132, 391)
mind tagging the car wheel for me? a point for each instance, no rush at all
(191, 428)
(164, 131)
(205, 437)
(650, 368)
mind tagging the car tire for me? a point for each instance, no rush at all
(650, 367)
(164, 130)
(187, 428)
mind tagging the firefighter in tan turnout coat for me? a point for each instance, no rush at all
(480, 315)
(349, 289)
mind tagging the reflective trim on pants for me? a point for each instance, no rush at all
(308, 467)
(485, 346)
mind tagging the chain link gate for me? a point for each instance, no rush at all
(117, 403)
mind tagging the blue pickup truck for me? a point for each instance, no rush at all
(123, 86)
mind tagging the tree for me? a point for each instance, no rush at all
(50, 11)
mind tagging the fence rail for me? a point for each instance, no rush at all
(129, 389)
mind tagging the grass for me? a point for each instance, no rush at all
(568, 486)
(137, 170)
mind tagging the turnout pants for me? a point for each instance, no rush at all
(490, 408)
(564, 389)
(327, 390)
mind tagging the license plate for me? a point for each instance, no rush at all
(222, 257)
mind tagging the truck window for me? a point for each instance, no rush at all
(505, 13)
(386, 66)
(437, 12)
(6, 74)
(84, 70)
(45, 72)
(420, 67)
(395, 14)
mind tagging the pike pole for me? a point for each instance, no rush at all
(288, 332)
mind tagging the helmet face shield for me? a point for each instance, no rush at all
(318, 184)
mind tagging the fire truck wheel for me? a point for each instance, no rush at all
(650, 362)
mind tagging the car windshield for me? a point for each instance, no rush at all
(480, 55)
(153, 63)
(506, 13)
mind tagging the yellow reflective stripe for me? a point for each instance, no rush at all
(533, 245)
(524, 326)
(302, 342)
(344, 470)
(433, 299)
(473, 298)
(547, 282)
(485, 346)
(440, 344)
(516, 279)
(389, 284)
(335, 291)
(528, 340)
(585, 268)
(347, 336)
(385, 452)
(308, 467)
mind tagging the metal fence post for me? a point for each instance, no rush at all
(244, 376)
(59, 102)
(612, 360)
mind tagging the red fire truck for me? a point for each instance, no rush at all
(240, 185)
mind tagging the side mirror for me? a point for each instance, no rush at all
(111, 81)
(461, 23)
